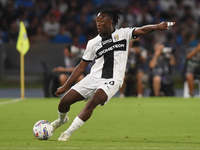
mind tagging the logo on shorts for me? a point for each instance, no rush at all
(112, 82)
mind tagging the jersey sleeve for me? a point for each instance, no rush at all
(88, 55)
(134, 36)
(130, 33)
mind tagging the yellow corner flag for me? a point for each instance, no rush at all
(23, 42)
(23, 47)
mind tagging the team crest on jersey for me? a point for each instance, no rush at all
(116, 37)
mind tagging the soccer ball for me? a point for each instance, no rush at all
(43, 130)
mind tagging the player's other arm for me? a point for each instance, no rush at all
(150, 28)
(77, 72)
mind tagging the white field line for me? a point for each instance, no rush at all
(11, 101)
(111, 148)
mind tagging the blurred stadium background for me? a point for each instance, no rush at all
(51, 24)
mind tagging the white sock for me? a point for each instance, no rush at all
(62, 116)
(74, 126)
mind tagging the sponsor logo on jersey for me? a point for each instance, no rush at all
(117, 46)
(107, 41)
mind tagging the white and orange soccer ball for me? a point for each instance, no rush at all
(43, 130)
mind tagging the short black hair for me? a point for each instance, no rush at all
(68, 46)
(114, 14)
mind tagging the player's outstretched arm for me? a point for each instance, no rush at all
(77, 72)
(150, 28)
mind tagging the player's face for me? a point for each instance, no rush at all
(104, 24)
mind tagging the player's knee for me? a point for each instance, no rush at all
(64, 103)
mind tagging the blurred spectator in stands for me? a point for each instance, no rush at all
(1, 37)
(161, 83)
(91, 30)
(196, 11)
(157, 16)
(9, 15)
(1, 13)
(130, 18)
(71, 58)
(191, 69)
(39, 37)
(32, 29)
(190, 3)
(63, 36)
(23, 16)
(170, 14)
(84, 18)
(55, 12)
(25, 3)
(62, 6)
(190, 26)
(186, 14)
(51, 26)
(12, 35)
(144, 17)
(79, 33)
(75, 42)
(41, 8)
(69, 17)
(3, 2)
(135, 70)
(75, 5)
(153, 7)
(135, 7)
(166, 5)
(99, 3)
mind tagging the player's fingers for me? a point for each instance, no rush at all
(170, 24)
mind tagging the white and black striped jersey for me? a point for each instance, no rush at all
(110, 54)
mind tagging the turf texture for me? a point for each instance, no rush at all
(123, 123)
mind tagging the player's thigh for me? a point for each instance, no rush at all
(86, 87)
(71, 97)
(110, 87)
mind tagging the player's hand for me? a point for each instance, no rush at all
(164, 25)
(60, 91)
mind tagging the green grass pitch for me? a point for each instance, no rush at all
(129, 123)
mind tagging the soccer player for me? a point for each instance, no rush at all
(110, 51)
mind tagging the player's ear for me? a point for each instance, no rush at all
(111, 21)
